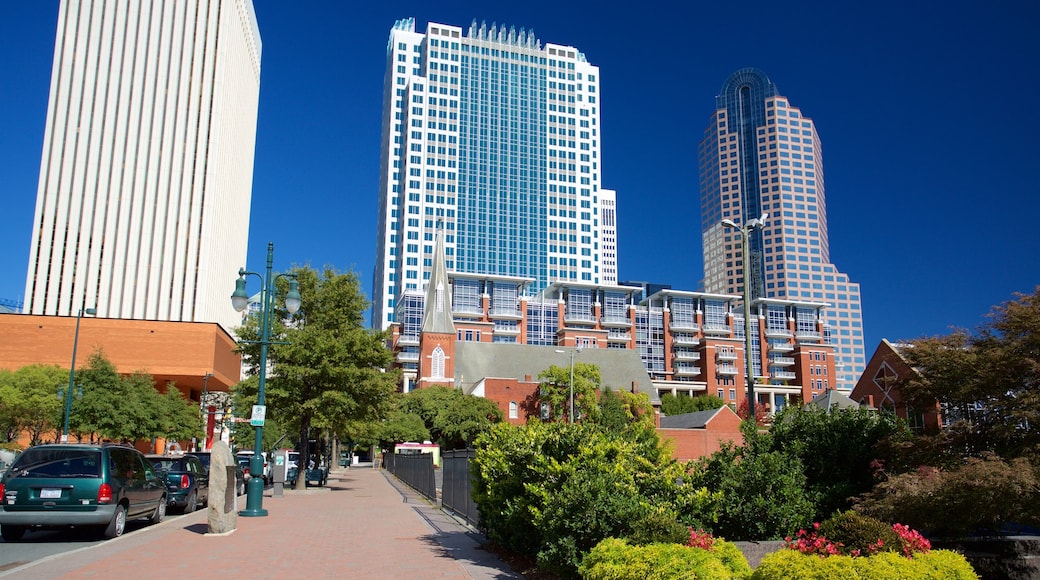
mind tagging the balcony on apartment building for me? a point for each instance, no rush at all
(687, 370)
(683, 326)
(777, 331)
(687, 355)
(506, 312)
(407, 340)
(727, 369)
(782, 374)
(716, 328)
(618, 335)
(725, 354)
(781, 361)
(808, 335)
(407, 356)
(507, 328)
(780, 346)
(685, 339)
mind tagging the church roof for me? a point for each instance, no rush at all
(437, 317)
(476, 361)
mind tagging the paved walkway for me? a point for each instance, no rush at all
(365, 524)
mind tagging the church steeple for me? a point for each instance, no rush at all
(437, 335)
(437, 317)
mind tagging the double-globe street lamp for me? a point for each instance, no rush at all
(72, 373)
(745, 231)
(240, 301)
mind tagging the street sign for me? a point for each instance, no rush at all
(259, 414)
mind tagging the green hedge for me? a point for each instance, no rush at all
(614, 559)
(934, 565)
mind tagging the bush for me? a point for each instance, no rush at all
(614, 559)
(935, 565)
(553, 491)
(984, 495)
(859, 534)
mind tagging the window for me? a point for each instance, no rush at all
(514, 411)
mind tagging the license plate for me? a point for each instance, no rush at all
(50, 494)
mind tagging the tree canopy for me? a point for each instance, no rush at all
(555, 390)
(987, 383)
(326, 369)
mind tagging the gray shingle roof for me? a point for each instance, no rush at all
(475, 361)
(696, 420)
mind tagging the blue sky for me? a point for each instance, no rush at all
(927, 112)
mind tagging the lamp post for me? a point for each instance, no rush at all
(240, 300)
(571, 383)
(72, 373)
(745, 232)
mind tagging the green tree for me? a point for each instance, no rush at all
(328, 369)
(179, 419)
(837, 450)
(10, 407)
(453, 419)
(680, 404)
(762, 491)
(987, 383)
(555, 390)
(42, 410)
(402, 426)
(464, 419)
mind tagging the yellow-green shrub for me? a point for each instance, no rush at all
(934, 565)
(614, 559)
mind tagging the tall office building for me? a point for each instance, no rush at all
(761, 155)
(146, 177)
(496, 137)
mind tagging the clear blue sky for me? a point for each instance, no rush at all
(928, 114)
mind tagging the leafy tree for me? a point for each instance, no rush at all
(402, 426)
(41, 408)
(464, 419)
(29, 401)
(836, 449)
(762, 491)
(987, 383)
(680, 404)
(100, 410)
(453, 419)
(555, 390)
(331, 369)
(179, 417)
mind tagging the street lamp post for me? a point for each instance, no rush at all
(571, 383)
(745, 232)
(240, 300)
(72, 373)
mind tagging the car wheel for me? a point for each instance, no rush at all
(12, 533)
(191, 504)
(160, 511)
(118, 524)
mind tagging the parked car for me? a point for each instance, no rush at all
(240, 475)
(267, 465)
(187, 481)
(99, 486)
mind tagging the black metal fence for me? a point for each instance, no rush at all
(457, 487)
(415, 470)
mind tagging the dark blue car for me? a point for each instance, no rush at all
(186, 480)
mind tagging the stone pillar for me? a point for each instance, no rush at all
(222, 510)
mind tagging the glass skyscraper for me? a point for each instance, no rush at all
(494, 137)
(760, 155)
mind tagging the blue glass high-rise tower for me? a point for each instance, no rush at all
(495, 138)
(760, 155)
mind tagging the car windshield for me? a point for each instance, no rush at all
(204, 458)
(57, 462)
(170, 464)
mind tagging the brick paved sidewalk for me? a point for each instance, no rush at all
(364, 524)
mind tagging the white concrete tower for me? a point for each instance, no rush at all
(147, 167)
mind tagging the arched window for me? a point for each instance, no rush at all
(514, 412)
(437, 370)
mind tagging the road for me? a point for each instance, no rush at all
(42, 544)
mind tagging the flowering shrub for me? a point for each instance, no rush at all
(701, 539)
(913, 542)
(813, 543)
(910, 541)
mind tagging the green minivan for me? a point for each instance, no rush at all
(98, 486)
